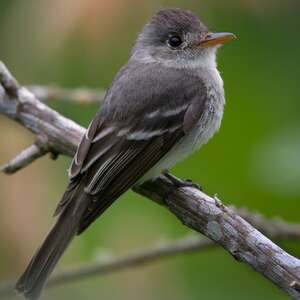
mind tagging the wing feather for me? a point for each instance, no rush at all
(127, 138)
(83, 148)
(146, 156)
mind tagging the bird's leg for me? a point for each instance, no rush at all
(181, 183)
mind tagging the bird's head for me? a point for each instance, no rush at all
(178, 38)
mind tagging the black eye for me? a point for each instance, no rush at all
(175, 41)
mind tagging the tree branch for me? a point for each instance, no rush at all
(273, 228)
(61, 135)
(193, 208)
(142, 257)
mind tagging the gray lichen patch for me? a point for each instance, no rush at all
(215, 230)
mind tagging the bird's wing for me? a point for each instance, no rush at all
(117, 151)
(114, 163)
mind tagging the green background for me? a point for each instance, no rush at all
(254, 161)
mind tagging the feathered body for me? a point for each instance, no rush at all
(161, 106)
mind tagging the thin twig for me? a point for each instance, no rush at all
(23, 159)
(192, 207)
(80, 95)
(136, 259)
(272, 228)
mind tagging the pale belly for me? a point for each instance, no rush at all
(207, 126)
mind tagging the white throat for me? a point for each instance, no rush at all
(206, 61)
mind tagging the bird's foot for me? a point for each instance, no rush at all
(180, 183)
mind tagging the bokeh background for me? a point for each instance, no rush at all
(253, 162)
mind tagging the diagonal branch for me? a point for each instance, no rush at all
(61, 134)
(273, 228)
(139, 258)
(192, 207)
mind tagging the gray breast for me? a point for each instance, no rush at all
(210, 121)
(207, 125)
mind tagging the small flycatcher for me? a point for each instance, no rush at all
(163, 104)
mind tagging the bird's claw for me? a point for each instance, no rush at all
(190, 183)
(180, 183)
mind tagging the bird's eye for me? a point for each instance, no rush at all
(174, 41)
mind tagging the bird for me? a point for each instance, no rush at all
(165, 103)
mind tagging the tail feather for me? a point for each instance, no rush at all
(42, 264)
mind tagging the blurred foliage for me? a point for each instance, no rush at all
(254, 161)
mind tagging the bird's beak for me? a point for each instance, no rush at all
(214, 39)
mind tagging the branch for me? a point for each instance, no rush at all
(80, 95)
(192, 207)
(184, 245)
(24, 158)
(60, 135)
(274, 228)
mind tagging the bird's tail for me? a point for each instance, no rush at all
(42, 264)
